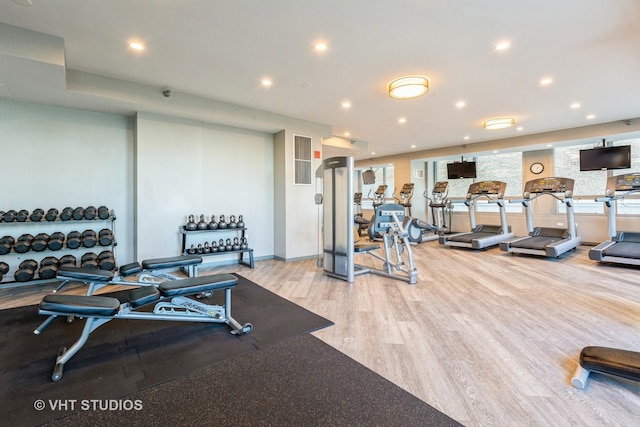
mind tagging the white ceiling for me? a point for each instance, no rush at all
(221, 49)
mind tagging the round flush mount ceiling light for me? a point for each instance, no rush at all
(408, 87)
(499, 123)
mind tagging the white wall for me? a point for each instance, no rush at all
(54, 157)
(187, 167)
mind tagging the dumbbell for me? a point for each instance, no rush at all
(105, 237)
(78, 213)
(106, 261)
(36, 215)
(66, 214)
(48, 267)
(2, 216)
(89, 260)
(26, 270)
(40, 242)
(56, 241)
(6, 243)
(74, 239)
(9, 216)
(51, 214)
(90, 212)
(89, 238)
(68, 261)
(22, 215)
(23, 243)
(103, 212)
(4, 269)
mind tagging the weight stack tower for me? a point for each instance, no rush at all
(338, 246)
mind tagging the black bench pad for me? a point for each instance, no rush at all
(83, 273)
(131, 268)
(80, 305)
(613, 361)
(194, 285)
(176, 261)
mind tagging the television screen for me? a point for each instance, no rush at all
(369, 177)
(459, 170)
(595, 159)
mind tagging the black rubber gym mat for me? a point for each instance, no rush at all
(125, 356)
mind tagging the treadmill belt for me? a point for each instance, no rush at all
(469, 237)
(537, 242)
(624, 250)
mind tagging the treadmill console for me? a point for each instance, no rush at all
(381, 189)
(407, 189)
(549, 185)
(626, 182)
(487, 187)
(440, 187)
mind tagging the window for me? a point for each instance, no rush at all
(302, 160)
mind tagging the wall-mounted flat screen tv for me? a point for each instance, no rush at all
(595, 159)
(369, 177)
(458, 170)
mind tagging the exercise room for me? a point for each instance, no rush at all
(347, 214)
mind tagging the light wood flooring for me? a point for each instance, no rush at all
(489, 338)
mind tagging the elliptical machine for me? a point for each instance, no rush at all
(376, 201)
(361, 222)
(421, 231)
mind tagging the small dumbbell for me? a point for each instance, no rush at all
(78, 213)
(51, 215)
(103, 212)
(22, 215)
(74, 239)
(40, 242)
(68, 261)
(105, 237)
(36, 215)
(26, 270)
(89, 238)
(56, 241)
(48, 267)
(89, 260)
(9, 216)
(106, 261)
(6, 243)
(4, 269)
(90, 212)
(66, 214)
(23, 243)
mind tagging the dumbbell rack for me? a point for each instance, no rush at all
(13, 258)
(188, 234)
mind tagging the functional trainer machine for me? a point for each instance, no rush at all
(482, 236)
(546, 241)
(623, 246)
(339, 247)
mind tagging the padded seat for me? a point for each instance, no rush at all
(86, 274)
(169, 262)
(143, 295)
(80, 305)
(195, 285)
(621, 363)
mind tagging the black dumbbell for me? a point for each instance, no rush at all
(89, 238)
(78, 213)
(56, 241)
(22, 215)
(66, 214)
(74, 239)
(26, 270)
(89, 260)
(6, 243)
(36, 215)
(2, 216)
(51, 215)
(90, 212)
(105, 237)
(40, 242)
(48, 267)
(4, 269)
(68, 261)
(106, 261)
(103, 212)
(9, 216)
(23, 243)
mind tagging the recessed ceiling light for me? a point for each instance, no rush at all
(373, 152)
(402, 120)
(591, 116)
(519, 128)
(495, 151)
(413, 146)
(546, 81)
(460, 104)
(347, 133)
(136, 46)
(549, 145)
(503, 45)
(320, 47)
(346, 104)
(266, 82)
(467, 137)
(575, 105)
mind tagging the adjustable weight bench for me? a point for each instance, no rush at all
(172, 303)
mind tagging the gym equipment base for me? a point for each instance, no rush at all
(606, 360)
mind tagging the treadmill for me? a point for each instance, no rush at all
(482, 236)
(623, 246)
(546, 241)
